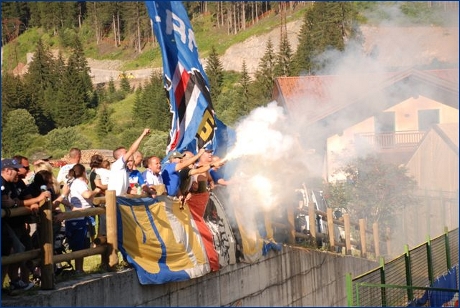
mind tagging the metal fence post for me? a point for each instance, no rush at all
(429, 261)
(349, 286)
(446, 239)
(383, 292)
(410, 291)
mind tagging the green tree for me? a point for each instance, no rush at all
(104, 123)
(374, 190)
(265, 75)
(214, 71)
(124, 84)
(284, 58)
(71, 100)
(18, 132)
(14, 95)
(241, 105)
(155, 144)
(151, 108)
(327, 25)
(40, 77)
(60, 140)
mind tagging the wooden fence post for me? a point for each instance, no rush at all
(111, 216)
(330, 228)
(346, 225)
(312, 222)
(362, 235)
(291, 223)
(47, 246)
(375, 231)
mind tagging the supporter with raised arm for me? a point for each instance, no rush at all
(119, 180)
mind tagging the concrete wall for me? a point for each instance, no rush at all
(292, 277)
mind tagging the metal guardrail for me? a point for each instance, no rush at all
(406, 279)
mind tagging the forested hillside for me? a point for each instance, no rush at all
(55, 106)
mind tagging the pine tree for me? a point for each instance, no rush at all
(265, 75)
(104, 124)
(245, 83)
(71, 99)
(79, 64)
(38, 79)
(124, 84)
(151, 108)
(327, 25)
(284, 58)
(214, 70)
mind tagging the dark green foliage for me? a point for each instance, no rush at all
(17, 132)
(374, 190)
(284, 58)
(60, 140)
(155, 144)
(214, 71)
(124, 84)
(265, 74)
(151, 108)
(104, 123)
(111, 88)
(326, 25)
(14, 95)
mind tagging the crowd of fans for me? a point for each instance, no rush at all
(75, 187)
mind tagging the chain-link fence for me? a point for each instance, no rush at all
(424, 276)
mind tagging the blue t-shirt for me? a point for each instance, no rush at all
(171, 179)
(216, 175)
(136, 174)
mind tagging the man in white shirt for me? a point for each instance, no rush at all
(119, 180)
(74, 158)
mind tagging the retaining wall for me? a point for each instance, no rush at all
(292, 277)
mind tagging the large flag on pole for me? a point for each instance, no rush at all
(193, 123)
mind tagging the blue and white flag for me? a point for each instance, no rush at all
(193, 123)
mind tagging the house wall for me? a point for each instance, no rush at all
(340, 148)
(434, 165)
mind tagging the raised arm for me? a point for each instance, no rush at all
(190, 160)
(133, 148)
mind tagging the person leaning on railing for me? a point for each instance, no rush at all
(80, 198)
(16, 230)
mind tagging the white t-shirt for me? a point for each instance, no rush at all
(77, 188)
(61, 178)
(151, 178)
(118, 180)
(104, 174)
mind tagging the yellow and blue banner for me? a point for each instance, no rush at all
(161, 241)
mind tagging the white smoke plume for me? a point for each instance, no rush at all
(271, 156)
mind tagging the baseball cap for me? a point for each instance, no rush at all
(208, 148)
(11, 163)
(176, 154)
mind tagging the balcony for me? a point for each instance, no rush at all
(393, 140)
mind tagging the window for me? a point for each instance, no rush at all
(385, 122)
(427, 118)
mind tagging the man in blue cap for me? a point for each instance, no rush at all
(15, 234)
